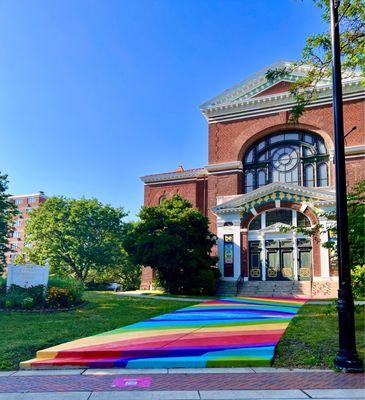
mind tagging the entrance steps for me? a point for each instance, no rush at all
(226, 289)
(276, 289)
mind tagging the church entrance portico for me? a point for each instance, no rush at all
(262, 234)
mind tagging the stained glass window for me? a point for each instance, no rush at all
(299, 158)
(255, 224)
(283, 216)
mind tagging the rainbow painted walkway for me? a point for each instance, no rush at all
(230, 332)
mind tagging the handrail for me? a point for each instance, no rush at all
(239, 284)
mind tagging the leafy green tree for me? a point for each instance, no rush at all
(356, 221)
(8, 211)
(174, 239)
(356, 216)
(76, 237)
(317, 53)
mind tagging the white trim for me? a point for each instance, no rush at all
(272, 109)
(355, 150)
(174, 176)
(231, 165)
(225, 172)
(18, 196)
(355, 156)
(157, 183)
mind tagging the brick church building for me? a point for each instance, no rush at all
(265, 172)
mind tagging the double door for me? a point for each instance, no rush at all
(279, 260)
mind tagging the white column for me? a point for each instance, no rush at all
(295, 246)
(220, 233)
(324, 253)
(295, 255)
(237, 248)
(263, 256)
(263, 247)
(233, 229)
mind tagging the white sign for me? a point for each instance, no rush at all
(27, 275)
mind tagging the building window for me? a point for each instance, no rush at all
(279, 216)
(18, 201)
(16, 234)
(322, 174)
(255, 224)
(18, 222)
(161, 199)
(308, 179)
(14, 246)
(31, 200)
(300, 158)
(302, 220)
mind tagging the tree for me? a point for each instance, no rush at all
(356, 218)
(174, 239)
(8, 211)
(317, 53)
(76, 237)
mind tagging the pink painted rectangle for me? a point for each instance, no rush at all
(135, 381)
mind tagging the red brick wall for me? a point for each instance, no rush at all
(229, 140)
(22, 217)
(192, 190)
(280, 87)
(355, 170)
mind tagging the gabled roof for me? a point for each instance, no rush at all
(244, 99)
(276, 191)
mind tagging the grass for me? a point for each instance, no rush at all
(311, 340)
(157, 293)
(22, 334)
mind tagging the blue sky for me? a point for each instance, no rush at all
(95, 94)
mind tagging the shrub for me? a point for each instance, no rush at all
(358, 281)
(203, 283)
(9, 303)
(35, 292)
(61, 292)
(27, 303)
(14, 298)
(74, 288)
(58, 298)
(2, 286)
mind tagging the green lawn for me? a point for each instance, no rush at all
(22, 334)
(311, 339)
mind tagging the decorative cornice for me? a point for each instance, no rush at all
(175, 176)
(226, 167)
(355, 150)
(276, 103)
(238, 204)
(242, 100)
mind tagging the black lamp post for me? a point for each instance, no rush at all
(347, 358)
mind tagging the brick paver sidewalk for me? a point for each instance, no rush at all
(181, 382)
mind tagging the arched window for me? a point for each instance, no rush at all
(280, 215)
(283, 216)
(161, 199)
(255, 224)
(308, 179)
(302, 220)
(299, 158)
(322, 174)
